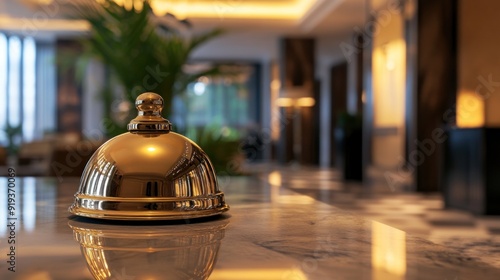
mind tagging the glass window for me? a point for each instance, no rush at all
(227, 100)
(14, 92)
(29, 56)
(19, 92)
(3, 87)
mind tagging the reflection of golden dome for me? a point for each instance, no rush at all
(149, 173)
(186, 251)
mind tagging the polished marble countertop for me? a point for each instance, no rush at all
(270, 232)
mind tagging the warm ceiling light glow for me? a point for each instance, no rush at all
(285, 10)
(126, 3)
(470, 109)
(284, 102)
(32, 27)
(305, 102)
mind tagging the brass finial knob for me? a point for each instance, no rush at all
(149, 104)
(149, 119)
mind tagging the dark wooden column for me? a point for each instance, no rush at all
(284, 148)
(432, 51)
(69, 92)
(338, 82)
(297, 71)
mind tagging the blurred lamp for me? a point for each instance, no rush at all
(305, 102)
(284, 102)
(296, 97)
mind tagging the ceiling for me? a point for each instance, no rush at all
(237, 9)
(303, 17)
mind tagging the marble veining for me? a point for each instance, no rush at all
(269, 233)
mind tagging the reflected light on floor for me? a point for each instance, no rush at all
(251, 274)
(388, 252)
(275, 180)
(29, 204)
(36, 275)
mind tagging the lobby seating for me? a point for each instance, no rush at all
(3, 156)
(56, 155)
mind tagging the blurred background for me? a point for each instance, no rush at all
(399, 93)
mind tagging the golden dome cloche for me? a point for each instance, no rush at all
(149, 173)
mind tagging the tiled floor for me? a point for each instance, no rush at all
(421, 215)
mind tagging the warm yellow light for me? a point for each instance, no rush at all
(388, 252)
(30, 27)
(305, 102)
(286, 10)
(129, 4)
(390, 65)
(389, 83)
(251, 274)
(274, 178)
(151, 149)
(470, 109)
(284, 102)
(275, 84)
(299, 102)
(294, 10)
(276, 117)
(284, 196)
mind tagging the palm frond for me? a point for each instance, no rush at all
(129, 41)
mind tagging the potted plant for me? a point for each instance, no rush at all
(143, 52)
(14, 134)
(221, 144)
(349, 144)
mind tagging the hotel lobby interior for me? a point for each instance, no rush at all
(287, 139)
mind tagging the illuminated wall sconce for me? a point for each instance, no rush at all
(305, 102)
(299, 102)
(285, 102)
(296, 98)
